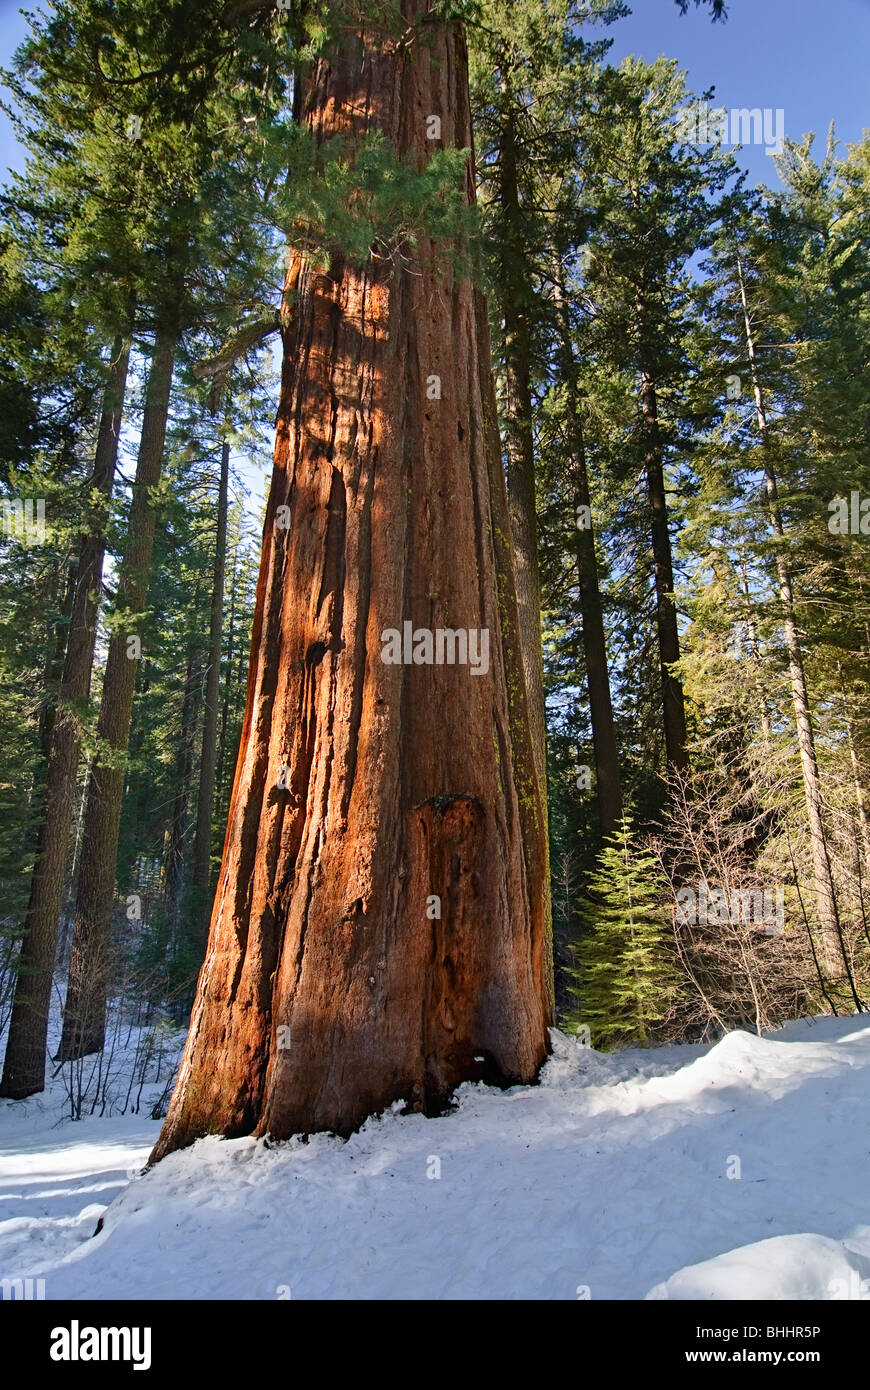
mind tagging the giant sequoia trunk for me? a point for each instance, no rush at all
(378, 931)
(24, 1067)
(85, 1009)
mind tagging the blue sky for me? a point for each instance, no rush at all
(809, 57)
(13, 28)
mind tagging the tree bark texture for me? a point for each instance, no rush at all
(379, 929)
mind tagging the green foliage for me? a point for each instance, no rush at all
(167, 169)
(364, 200)
(717, 7)
(622, 972)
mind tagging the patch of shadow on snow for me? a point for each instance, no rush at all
(572, 1064)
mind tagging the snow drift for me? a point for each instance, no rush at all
(738, 1170)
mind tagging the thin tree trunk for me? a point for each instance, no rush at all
(228, 683)
(174, 857)
(826, 902)
(205, 799)
(55, 662)
(857, 777)
(764, 712)
(608, 782)
(24, 1069)
(755, 654)
(378, 932)
(85, 1010)
(673, 704)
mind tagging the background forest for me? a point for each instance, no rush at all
(681, 367)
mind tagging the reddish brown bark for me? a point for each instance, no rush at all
(515, 274)
(363, 788)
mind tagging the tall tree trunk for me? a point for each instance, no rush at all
(516, 293)
(229, 689)
(857, 775)
(55, 662)
(24, 1068)
(673, 704)
(833, 947)
(608, 782)
(174, 856)
(755, 656)
(85, 1011)
(378, 931)
(205, 799)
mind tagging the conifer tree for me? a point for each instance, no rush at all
(656, 202)
(162, 162)
(622, 970)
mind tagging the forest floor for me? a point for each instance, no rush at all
(610, 1179)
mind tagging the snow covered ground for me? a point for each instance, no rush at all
(740, 1170)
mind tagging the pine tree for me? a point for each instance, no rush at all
(154, 208)
(655, 203)
(622, 970)
(763, 304)
(53, 212)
